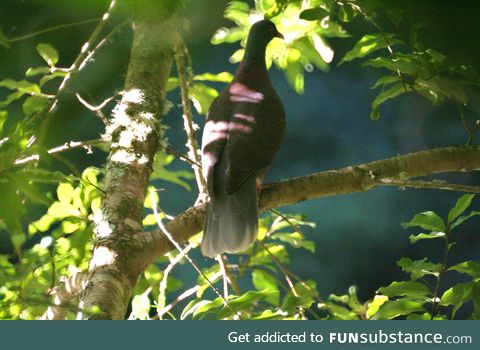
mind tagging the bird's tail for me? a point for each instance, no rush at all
(232, 222)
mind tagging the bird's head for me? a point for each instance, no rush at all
(262, 32)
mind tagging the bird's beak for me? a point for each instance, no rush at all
(279, 35)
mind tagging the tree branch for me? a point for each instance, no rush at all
(351, 179)
(188, 122)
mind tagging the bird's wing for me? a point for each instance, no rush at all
(255, 135)
(215, 136)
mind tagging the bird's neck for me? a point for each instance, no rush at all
(253, 66)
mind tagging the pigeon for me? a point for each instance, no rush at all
(244, 131)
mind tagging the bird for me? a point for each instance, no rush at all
(245, 129)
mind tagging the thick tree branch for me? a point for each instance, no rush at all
(352, 179)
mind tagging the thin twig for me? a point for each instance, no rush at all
(187, 293)
(61, 26)
(179, 248)
(65, 147)
(189, 125)
(436, 302)
(84, 52)
(470, 130)
(436, 184)
(173, 151)
(102, 42)
(286, 273)
(385, 38)
(166, 272)
(221, 263)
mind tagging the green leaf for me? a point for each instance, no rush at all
(11, 97)
(410, 289)
(264, 281)
(427, 220)
(35, 104)
(222, 77)
(238, 12)
(246, 301)
(375, 304)
(401, 307)
(24, 86)
(462, 219)
(462, 204)
(346, 13)
(27, 188)
(33, 71)
(172, 83)
(394, 91)
(141, 305)
(65, 193)
(476, 301)
(457, 296)
(471, 268)
(296, 240)
(42, 175)
(11, 208)
(45, 79)
(370, 43)
(406, 64)
(314, 14)
(420, 236)
(48, 53)
(263, 258)
(228, 35)
(179, 177)
(419, 268)
(385, 80)
(202, 97)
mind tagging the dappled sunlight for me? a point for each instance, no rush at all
(102, 256)
(241, 93)
(103, 228)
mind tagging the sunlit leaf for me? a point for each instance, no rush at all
(462, 204)
(410, 289)
(141, 306)
(375, 304)
(427, 220)
(20, 85)
(314, 14)
(33, 71)
(223, 77)
(457, 296)
(202, 97)
(392, 92)
(346, 13)
(370, 43)
(462, 219)
(392, 309)
(419, 268)
(264, 281)
(228, 35)
(48, 53)
(471, 268)
(421, 236)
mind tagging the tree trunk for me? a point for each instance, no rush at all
(135, 132)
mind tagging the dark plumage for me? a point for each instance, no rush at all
(244, 130)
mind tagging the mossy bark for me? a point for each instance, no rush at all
(135, 130)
